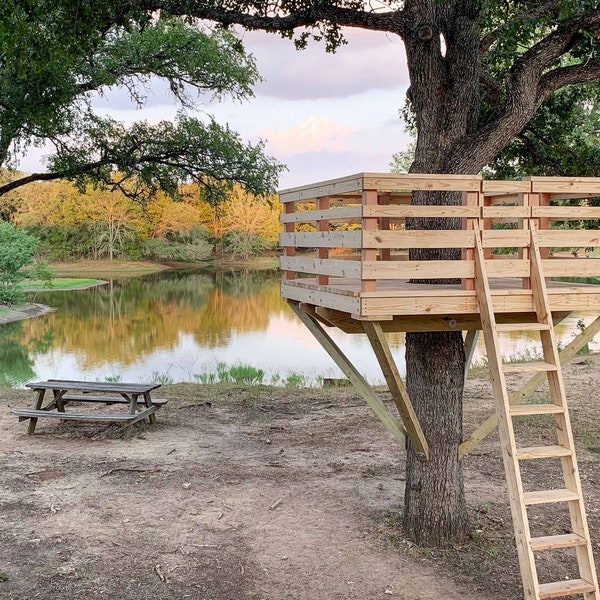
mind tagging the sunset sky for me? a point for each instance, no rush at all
(323, 115)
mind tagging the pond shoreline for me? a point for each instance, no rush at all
(25, 311)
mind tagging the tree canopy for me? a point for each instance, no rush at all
(54, 56)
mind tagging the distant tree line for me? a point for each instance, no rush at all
(100, 223)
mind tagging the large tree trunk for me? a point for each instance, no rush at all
(444, 96)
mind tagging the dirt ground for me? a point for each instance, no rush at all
(257, 493)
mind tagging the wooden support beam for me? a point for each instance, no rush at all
(397, 388)
(527, 389)
(391, 421)
(470, 345)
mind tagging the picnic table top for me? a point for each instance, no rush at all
(93, 386)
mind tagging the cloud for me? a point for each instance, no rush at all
(316, 133)
(371, 60)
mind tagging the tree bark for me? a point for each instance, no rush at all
(434, 500)
(445, 98)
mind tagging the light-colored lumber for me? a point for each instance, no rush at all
(535, 452)
(348, 304)
(505, 238)
(403, 211)
(391, 422)
(572, 267)
(550, 496)
(471, 338)
(331, 187)
(321, 239)
(569, 238)
(397, 388)
(521, 410)
(570, 185)
(334, 214)
(525, 367)
(567, 587)
(505, 187)
(551, 542)
(335, 267)
(505, 212)
(566, 213)
(413, 181)
(527, 389)
(418, 239)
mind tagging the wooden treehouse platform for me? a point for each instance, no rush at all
(365, 254)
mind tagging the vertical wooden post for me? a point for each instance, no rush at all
(289, 228)
(470, 199)
(323, 225)
(544, 223)
(525, 253)
(384, 225)
(369, 198)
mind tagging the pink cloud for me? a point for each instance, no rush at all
(316, 133)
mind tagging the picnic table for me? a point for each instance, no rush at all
(136, 396)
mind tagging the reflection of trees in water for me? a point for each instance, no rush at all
(17, 366)
(132, 317)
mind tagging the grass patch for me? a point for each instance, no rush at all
(60, 283)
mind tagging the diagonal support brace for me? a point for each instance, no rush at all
(527, 389)
(391, 421)
(397, 388)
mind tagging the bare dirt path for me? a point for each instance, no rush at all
(250, 494)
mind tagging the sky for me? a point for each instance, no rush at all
(323, 115)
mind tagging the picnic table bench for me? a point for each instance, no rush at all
(137, 397)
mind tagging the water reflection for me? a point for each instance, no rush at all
(179, 324)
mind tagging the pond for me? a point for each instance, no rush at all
(184, 325)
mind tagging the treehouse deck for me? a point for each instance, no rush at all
(347, 244)
(482, 256)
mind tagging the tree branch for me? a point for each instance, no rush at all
(557, 78)
(268, 16)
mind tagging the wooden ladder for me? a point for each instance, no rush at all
(586, 583)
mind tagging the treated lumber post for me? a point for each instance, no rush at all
(527, 389)
(392, 422)
(470, 345)
(369, 224)
(289, 209)
(323, 226)
(397, 387)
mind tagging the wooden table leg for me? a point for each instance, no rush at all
(148, 401)
(38, 406)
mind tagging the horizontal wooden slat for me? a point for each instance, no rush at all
(569, 238)
(348, 304)
(321, 239)
(331, 187)
(413, 181)
(334, 214)
(403, 211)
(571, 587)
(418, 239)
(505, 212)
(566, 213)
(321, 266)
(571, 267)
(568, 185)
(412, 269)
(434, 269)
(505, 238)
(506, 186)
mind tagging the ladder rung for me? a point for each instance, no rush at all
(543, 452)
(536, 409)
(535, 365)
(549, 496)
(568, 587)
(552, 542)
(522, 327)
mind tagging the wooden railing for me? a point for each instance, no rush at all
(354, 228)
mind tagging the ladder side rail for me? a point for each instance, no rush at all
(562, 420)
(507, 438)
